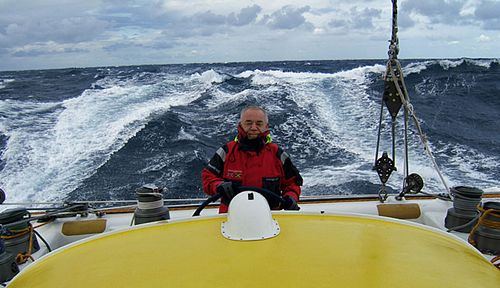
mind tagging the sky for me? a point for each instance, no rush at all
(46, 34)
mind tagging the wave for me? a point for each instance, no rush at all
(447, 64)
(132, 125)
(78, 137)
(5, 82)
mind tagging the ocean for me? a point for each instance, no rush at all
(100, 133)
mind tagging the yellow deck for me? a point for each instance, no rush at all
(310, 251)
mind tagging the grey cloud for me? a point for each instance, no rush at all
(448, 12)
(246, 16)
(358, 19)
(39, 51)
(209, 18)
(338, 23)
(118, 46)
(157, 45)
(405, 21)
(287, 17)
(435, 9)
(364, 19)
(121, 13)
(162, 44)
(488, 10)
(438, 11)
(487, 13)
(67, 30)
(208, 23)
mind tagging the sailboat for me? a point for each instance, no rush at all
(408, 239)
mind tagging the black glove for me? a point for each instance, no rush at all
(290, 203)
(228, 189)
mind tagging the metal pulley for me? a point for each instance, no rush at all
(392, 99)
(384, 167)
(413, 183)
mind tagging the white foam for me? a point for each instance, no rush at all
(344, 117)
(416, 67)
(3, 82)
(483, 62)
(209, 77)
(446, 64)
(183, 135)
(467, 165)
(46, 162)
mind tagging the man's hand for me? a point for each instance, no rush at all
(228, 189)
(290, 203)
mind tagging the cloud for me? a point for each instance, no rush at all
(487, 12)
(137, 31)
(65, 30)
(483, 38)
(483, 13)
(246, 16)
(207, 23)
(48, 48)
(438, 11)
(209, 18)
(357, 19)
(405, 21)
(287, 18)
(364, 19)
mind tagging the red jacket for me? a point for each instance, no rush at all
(269, 167)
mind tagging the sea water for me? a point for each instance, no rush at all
(100, 133)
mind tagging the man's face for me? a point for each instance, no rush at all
(254, 122)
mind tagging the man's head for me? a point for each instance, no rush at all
(254, 121)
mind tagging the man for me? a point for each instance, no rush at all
(252, 160)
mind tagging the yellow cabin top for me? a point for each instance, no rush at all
(310, 251)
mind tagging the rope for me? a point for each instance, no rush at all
(394, 72)
(394, 46)
(150, 205)
(23, 257)
(409, 107)
(485, 222)
(496, 259)
(98, 202)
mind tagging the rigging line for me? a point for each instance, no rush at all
(393, 54)
(409, 107)
(97, 202)
(394, 46)
(405, 144)
(379, 131)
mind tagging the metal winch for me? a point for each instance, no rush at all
(485, 236)
(17, 243)
(150, 206)
(8, 265)
(464, 214)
